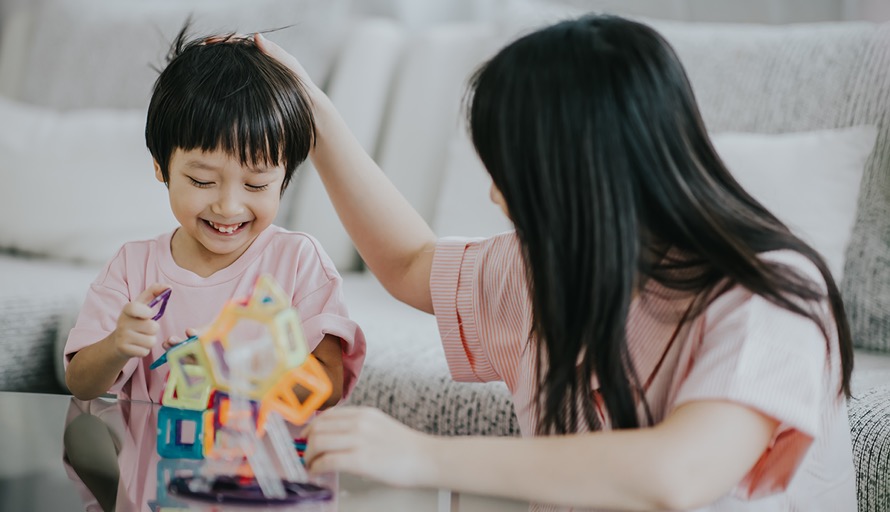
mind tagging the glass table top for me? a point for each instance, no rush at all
(58, 453)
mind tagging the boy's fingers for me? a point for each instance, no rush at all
(139, 307)
(138, 310)
(150, 293)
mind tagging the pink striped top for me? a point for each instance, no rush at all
(741, 349)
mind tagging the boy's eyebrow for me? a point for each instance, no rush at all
(201, 165)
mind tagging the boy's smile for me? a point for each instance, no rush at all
(221, 206)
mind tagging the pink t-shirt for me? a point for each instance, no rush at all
(295, 260)
(742, 349)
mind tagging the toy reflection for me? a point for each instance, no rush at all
(111, 453)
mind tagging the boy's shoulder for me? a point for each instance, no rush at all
(145, 247)
(285, 238)
(286, 244)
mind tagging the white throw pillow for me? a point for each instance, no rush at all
(809, 180)
(77, 185)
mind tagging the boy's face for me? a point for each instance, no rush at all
(221, 205)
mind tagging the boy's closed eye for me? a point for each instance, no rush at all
(200, 184)
(207, 184)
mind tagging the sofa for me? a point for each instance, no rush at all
(800, 112)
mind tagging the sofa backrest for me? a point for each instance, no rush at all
(70, 54)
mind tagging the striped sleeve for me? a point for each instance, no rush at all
(480, 300)
(764, 357)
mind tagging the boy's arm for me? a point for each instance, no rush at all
(392, 238)
(94, 368)
(330, 355)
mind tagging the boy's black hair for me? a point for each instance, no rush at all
(223, 93)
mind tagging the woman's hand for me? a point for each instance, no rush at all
(368, 443)
(276, 52)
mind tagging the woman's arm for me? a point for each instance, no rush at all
(392, 238)
(694, 457)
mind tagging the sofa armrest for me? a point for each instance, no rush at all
(870, 430)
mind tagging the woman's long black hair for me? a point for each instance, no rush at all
(591, 132)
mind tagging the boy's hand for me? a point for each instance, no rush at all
(172, 341)
(136, 332)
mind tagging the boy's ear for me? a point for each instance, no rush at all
(158, 174)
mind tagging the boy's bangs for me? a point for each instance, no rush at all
(252, 134)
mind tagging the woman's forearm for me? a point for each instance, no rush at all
(580, 470)
(392, 238)
(691, 459)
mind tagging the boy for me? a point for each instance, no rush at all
(226, 127)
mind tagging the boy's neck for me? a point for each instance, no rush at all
(192, 256)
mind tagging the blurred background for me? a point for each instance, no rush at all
(426, 12)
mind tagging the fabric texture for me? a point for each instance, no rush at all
(35, 296)
(28, 323)
(742, 349)
(294, 260)
(870, 428)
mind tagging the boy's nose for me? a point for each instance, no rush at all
(228, 205)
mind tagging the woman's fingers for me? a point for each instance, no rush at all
(276, 52)
(365, 441)
(331, 462)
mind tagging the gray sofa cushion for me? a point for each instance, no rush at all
(870, 429)
(28, 325)
(799, 78)
(36, 296)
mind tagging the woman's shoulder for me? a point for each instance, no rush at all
(797, 261)
(793, 262)
(740, 299)
(499, 254)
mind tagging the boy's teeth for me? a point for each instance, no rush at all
(225, 229)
